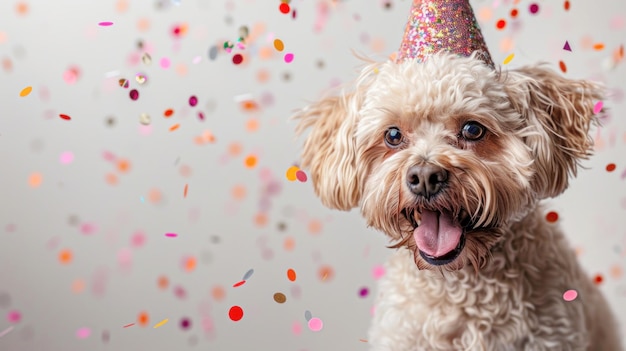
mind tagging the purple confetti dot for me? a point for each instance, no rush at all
(193, 100)
(185, 323)
(134, 94)
(105, 24)
(288, 57)
(534, 8)
(363, 292)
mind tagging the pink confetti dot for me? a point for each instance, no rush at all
(570, 295)
(165, 63)
(66, 157)
(534, 8)
(171, 235)
(598, 107)
(138, 239)
(83, 333)
(88, 228)
(105, 24)
(301, 176)
(378, 272)
(193, 100)
(14, 316)
(316, 324)
(288, 57)
(296, 328)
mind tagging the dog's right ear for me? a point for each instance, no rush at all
(330, 149)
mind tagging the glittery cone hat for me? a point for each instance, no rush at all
(442, 25)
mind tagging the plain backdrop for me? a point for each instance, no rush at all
(86, 202)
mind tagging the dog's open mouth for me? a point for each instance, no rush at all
(439, 236)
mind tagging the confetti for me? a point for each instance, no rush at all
(598, 46)
(250, 161)
(24, 92)
(143, 319)
(66, 157)
(161, 323)
(533, 8)
(514, 13)
(288, 57)
(14, 317)
(279, 45)
(134, 94)
(171, 235)
(291, 173)
(213, 52)
(280, 297)
(508, 59)
(237, 59)
(566, 5)
(610, 167)
(562, 67)
(552, 217)
(315, 324)
(65, 117)
(597, 107)
(291, 275)
(6, 331)
(308, 315)
(284, 8)
(83, 333)
(65, 256)
(165, 63)
(566, 47)
(140, 78)
(301, 176)
(500, 24)
(239, 283)
(248, 274)
(193, 101)
(185, 191)
(168, 113)
(105, 24)
(363, 292)
(174, 127)
(145, 119)
(185, 323)
(598, 279)
(570, 295)
(146, 59)
(378, 272)
(123, 83)
(235, 313)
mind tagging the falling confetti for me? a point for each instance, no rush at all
(610, 167)
(598, 279)
(301, 176)
(14, 317)
(105, 24)
(161, 323)
(239, 283)
(83, 333)
(315, 324)
(6, 331)
(65, 117)
(291, 173)
(24, 92)
(363, 292)
(193, 101)
(235, 313)
(237, 59)
(171, 235)
(279, 45)
(284, 8)
(174, 127)
(308, 315)
(280, 297)
(597, 107)
(248, 274)
(562, 67)
(134, 94)
(185, 191)
(500, 24)
(552, 217)
(533, 8)
(508, 59)
(143, 319)
(288, 57)
(570, 295)
(566, 47)
(291, 275)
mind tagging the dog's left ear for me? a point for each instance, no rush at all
(559, 113)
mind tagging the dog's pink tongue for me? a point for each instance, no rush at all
(437, 234)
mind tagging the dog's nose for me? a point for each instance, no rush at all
(426, 180)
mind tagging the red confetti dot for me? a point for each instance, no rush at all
(284, 8)
(598, 279)
(610, 167)
(552, 217)
(562, 66)
(235, 313)
(239, 283)
(168, 113)
(514, 13)
(237, 59)
(65, 117)
(501, 24)
(301, 176)
(566, 5)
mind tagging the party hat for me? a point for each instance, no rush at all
(442, 25)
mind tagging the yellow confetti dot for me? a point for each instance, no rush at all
(26, 91)
(161, 323)
(279, 45)
(291, 173)
(508, 59)
(250, 161)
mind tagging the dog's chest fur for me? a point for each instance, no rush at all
(505, 306)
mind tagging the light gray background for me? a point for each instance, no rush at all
(121, 279)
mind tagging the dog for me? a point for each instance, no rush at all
(451, 159)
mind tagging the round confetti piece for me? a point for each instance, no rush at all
(308, 315)
(134, 94)
(163, 282)
(508, 59)
(598, 107)
(161, 323)
(284, 8)
(24, 92)
(239, 283)
(66, 157)
(326, 273)
(65, 117)
(143, 319)
(168, 113)
(165, 63)
(185, 323)
(598, 46)
(35, 180)
(378, 272)
(171, 235)
(65, 256)
(140, 78)
(218, 293)
(213, 52)
(280, 297)
(500, 24)
(146, 59)
(598, 279)
(570, 295)
(250, 161)
(279, 45)
(235, 313)
(514, 13)
(288, 57)
(189, 263)
(610, 167)
(301, 176)
(566, 5)
(14, 317)
(291, 173)
(533, 8)
(83, 333)
(193, 100)
(552, 217)
(248, 274)
(105, 24)
(145, 119)
(237, 59)
(291, 275)
(562, 67)
(363, 292)
(315, 324)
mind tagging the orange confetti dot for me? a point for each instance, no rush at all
(190, 264)
(78, 286)
(154, 196)
(111, 179)
(65, 256)
(123, 165)
(168, 113)
(143, 24)
(35, 179)
(598, 279)
(514, 13)
(121, 6)
(616, 271)
(174, 127)
(260, 219)
(234, 149)
(185, 171)
(250, 161)
(378, 45)
(315, 226)
(252, 125)
(181, 69)
(263, 75)
(239, 192)
(552, 217)
(143, 319)
(185, 191)
(249, 105)
(610, 167)
(598, 46)
(266, 53)
(163, 282)
(279, 45)
(291, 275)
(291, 173)
(326, 273)
(562, 67)
(566, 5)
(289, 244)
(218, 293)
(21, 8)
(485, 13)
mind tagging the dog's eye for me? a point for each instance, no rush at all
(393, 137)
(473, 131)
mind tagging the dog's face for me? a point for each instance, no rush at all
(442, 156)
